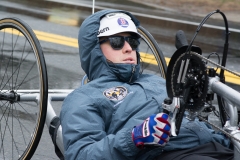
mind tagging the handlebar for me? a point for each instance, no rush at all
(180, 39)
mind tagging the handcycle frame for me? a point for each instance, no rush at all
(230, 96)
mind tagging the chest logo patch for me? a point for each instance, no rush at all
(115, 93)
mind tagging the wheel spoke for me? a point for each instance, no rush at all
(20, 63)
(17, 70)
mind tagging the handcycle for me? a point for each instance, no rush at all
(26, 100)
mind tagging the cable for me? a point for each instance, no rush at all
(217, 56)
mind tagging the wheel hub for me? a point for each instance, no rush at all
(10, 96)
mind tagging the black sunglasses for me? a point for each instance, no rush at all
(117, 42)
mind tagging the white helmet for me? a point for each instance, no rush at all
(114, 23)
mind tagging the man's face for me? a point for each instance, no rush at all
(124, 55)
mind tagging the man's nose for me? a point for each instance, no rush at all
(127, 48)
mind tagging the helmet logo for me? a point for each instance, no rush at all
(103, 30)
(123, 22)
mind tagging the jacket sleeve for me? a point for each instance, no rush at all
(195, 133)
(84, 135)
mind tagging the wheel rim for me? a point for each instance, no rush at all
(19, 70)
(153, 61)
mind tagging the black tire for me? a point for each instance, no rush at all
(22, 70)
(148, 47)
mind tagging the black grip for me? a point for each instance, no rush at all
(167, 101)
(180, 39)
(179, 117)
(166, 111)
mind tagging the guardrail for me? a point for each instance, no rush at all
(210, 38)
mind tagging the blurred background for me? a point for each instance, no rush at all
(58, 21)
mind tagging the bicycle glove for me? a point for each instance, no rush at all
(155, 130)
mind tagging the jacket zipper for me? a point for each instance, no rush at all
(133, 71)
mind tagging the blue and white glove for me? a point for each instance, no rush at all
(155, 130)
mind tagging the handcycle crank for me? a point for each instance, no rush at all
(191, 85)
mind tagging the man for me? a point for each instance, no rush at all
(117, 115)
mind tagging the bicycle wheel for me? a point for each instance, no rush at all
(22, 70)
(151, 55)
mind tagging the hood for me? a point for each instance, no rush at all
(93, 62)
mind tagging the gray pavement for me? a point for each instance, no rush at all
(163, 24)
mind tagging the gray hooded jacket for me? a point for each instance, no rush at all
(97, 118)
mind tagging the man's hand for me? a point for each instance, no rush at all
(155, 130)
